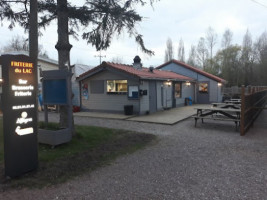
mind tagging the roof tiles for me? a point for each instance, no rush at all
(143, 73)
(211, 76)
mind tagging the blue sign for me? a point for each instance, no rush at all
(55, 91)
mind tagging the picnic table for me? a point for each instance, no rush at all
(233, 101)
(227, 105)
(217, 113)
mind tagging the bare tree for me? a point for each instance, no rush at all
(181, 52)
(211, 40)
(117, 59)
(192, 59)
(247, 58)
(17, 43)
(169, 50)
(20, 43)
(202, 53)
(227, 39)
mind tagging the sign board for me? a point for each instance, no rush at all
(19, 114)
(55, 91)
(56, 84)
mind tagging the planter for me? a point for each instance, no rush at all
(54, 138)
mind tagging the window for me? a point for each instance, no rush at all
(203, 87)
(178, 90)
(117, 86)
(97, 86)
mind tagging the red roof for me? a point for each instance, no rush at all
(143, 73)
(211, 76)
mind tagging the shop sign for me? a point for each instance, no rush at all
(19, 114)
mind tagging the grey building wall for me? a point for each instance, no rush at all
(215, 94)
(109, 102)
(187, 91)
(144, 100)
(76, 93)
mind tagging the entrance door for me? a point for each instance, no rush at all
(152, 96)
(203, 92)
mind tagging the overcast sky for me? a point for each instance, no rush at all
(186, 19)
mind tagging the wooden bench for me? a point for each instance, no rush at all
(215, 113)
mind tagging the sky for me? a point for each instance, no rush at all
(175, 19)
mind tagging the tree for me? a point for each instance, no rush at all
(169, 50)
(227, 39)
(247, 58)
(211, 40)
(192, 59)
(202, 53)
(260, 68)
(101, 20)
(117, 59)
(20, 43)
(181, 53)
(228, 63)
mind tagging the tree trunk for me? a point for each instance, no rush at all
(63, 46)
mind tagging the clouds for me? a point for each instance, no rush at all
(186, 19)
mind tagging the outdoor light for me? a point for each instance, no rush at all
(187, 83)
(169, 83)
(219, 84)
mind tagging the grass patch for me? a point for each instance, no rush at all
(91, 147)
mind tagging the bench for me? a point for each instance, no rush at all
(215, 113)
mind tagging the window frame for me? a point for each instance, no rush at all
(178, 83)
(117, 92)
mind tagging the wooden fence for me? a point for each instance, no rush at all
(253, 100)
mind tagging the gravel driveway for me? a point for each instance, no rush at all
(208, 162)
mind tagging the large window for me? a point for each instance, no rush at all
(117, 86)
(178, 90)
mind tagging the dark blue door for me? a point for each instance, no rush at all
(203, 91)
(152, 96)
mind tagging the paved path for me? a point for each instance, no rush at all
(208, 162)
(170, 117)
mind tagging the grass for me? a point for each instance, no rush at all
(90, 148)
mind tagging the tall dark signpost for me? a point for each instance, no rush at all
(19, 114)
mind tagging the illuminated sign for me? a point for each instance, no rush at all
(19, 114)
(22, 67)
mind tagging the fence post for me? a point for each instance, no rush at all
(243, 107)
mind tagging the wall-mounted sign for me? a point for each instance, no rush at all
(19, 114)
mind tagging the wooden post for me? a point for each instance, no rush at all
(242, 116)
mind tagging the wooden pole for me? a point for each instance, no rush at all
(243, 107)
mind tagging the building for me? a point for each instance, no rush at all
(208, 88)
(111, 87)
(77, 70)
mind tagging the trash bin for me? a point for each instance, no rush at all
(188, 101)
(128, 109)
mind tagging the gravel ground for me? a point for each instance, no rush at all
(208, 162)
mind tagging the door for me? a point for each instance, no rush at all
(152, 96)
(203, 92)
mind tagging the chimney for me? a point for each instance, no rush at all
(137, 62)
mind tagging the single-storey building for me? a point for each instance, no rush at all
(208, 87)
(111, 87)
(77, 70)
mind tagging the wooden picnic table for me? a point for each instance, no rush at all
(216, 113)
(227, 105)
(233, 101)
